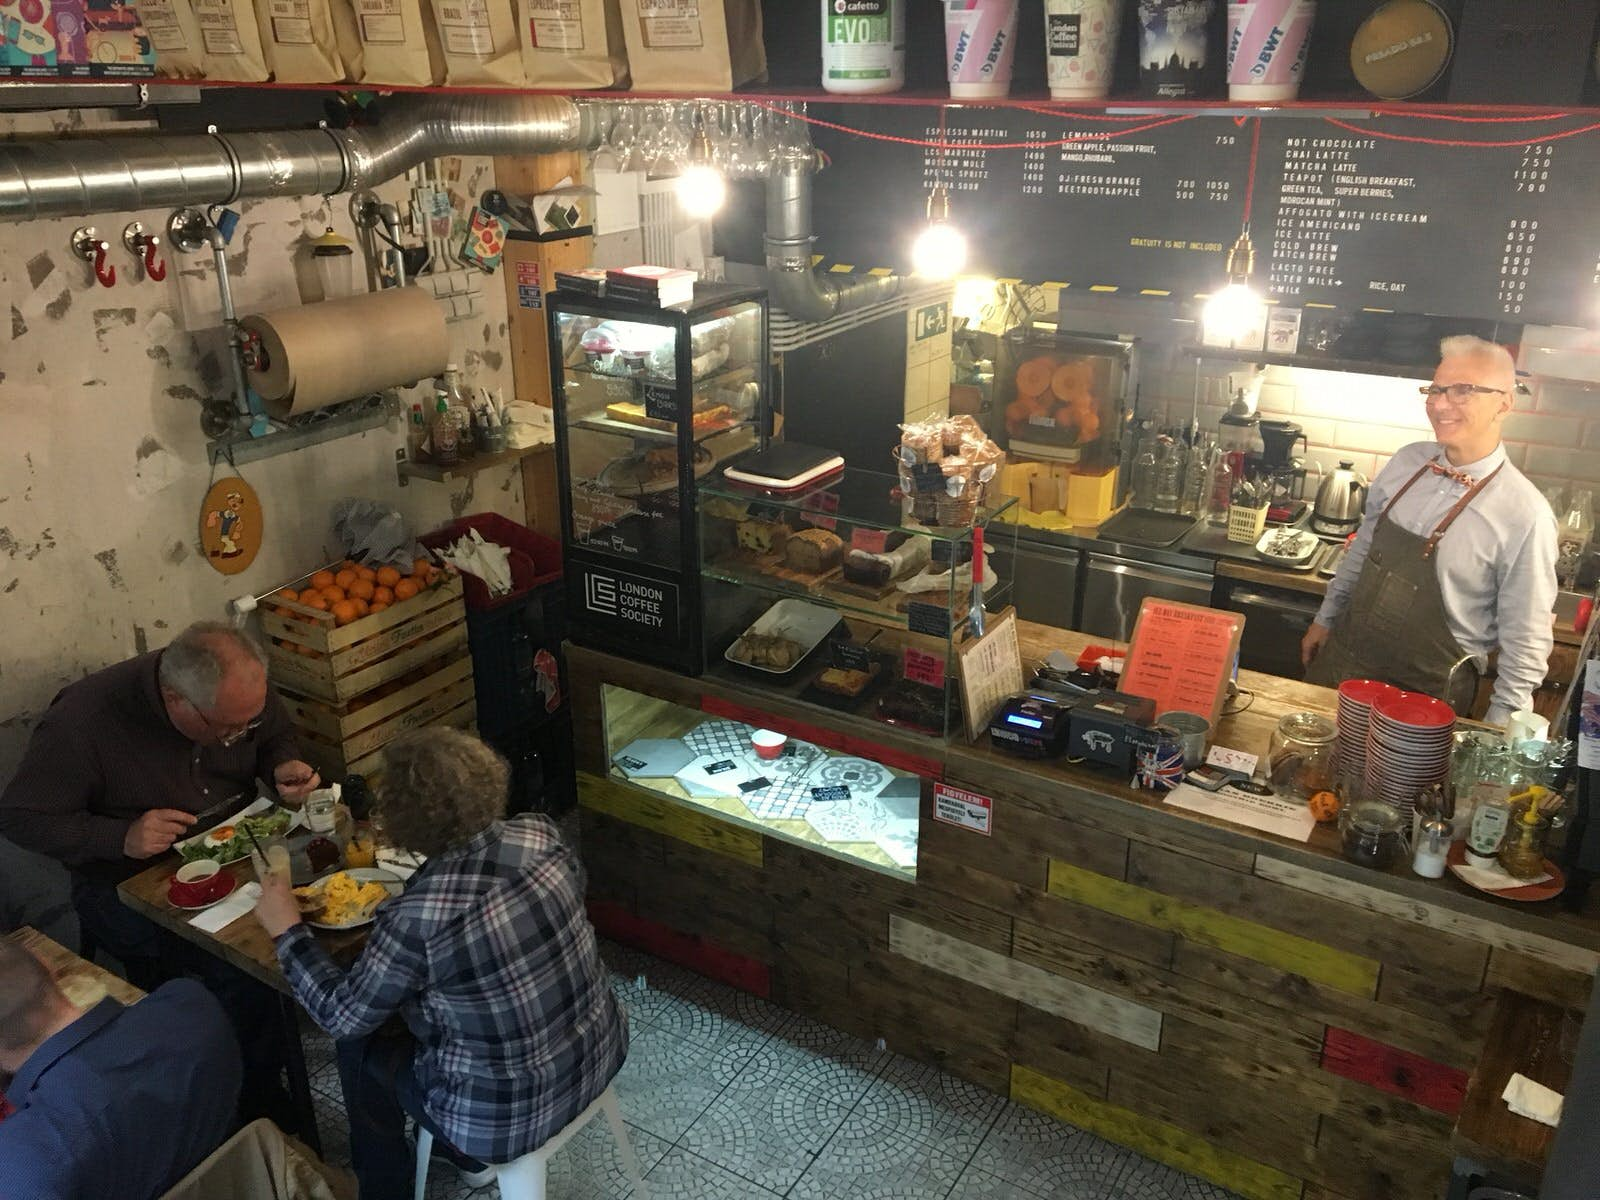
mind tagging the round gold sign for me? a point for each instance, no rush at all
(230, 525)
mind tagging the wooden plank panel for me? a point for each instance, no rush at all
(1452, 1034)
(1164, 991)
(1161, 1141)
(686, 949)
(1022, 842)
(1324, 920)
(1114, 1015)
(1364, 1162)
(1433, 916)
(1390, 1069)
(654, 811)
(1211, 927)
(1532, 976)
(1072, 1052)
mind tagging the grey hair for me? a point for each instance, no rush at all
(441, 788)
(26, 991)
(1465, 345)
(196, 660)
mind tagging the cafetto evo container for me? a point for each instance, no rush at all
(863, 46)
(1267, 44)
(979, 40)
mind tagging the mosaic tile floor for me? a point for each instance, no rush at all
(730, 1098)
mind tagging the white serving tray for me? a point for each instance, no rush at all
(797, 620)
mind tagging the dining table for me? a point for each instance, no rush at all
(244, 944)
(83, 982)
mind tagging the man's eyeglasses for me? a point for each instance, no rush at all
(225, 736)
(1459, 393)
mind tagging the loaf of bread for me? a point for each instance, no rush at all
(763, 537)
(875, 570)
(813, 551)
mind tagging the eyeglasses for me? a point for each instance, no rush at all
(1459, 393)
(228, 737)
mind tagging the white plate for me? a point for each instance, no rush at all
(255, 808)
(1305, 544)
(361, 875)
(805, 624)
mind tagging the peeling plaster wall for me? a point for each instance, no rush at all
(102, 460)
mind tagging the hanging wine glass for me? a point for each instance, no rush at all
(624, 138)
(743, 162)
(652, 138)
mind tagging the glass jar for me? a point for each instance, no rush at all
(1522, 852)
(1303, 754)
(1372, 834)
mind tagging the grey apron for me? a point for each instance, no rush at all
(1394, 627)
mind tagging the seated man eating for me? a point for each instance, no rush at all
(112, 1100)
(511, 1028)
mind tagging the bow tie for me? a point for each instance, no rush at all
(1460, 477)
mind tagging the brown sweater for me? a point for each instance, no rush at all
(105, 752)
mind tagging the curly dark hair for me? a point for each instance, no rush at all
(440, 789)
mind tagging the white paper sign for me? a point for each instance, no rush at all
(969, 810)
(1288, 818)
(1225, 759)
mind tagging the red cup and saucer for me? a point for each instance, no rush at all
(199, 885)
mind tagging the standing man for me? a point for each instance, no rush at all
(1455, 559)
(115, 772)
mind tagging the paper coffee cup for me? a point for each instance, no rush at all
(1081, 47)
(1172, 47)
(979, 40)
(1267, 45)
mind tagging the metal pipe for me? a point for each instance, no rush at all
(795, 287)
(389, 217)
(230, 320)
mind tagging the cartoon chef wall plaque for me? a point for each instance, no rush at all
(230, 525)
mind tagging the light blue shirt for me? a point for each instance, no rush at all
(1496, 564)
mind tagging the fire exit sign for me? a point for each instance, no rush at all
(933, 321)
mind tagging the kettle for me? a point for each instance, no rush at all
(1340, 500)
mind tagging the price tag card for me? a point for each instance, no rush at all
(660, 403)
(819, 503)
(923, 617)
(717, 768)
(633, 764)
(756, 784)
(839, 791)
(870, 541)
(922, 667)
(848, 656)
(1236, 761)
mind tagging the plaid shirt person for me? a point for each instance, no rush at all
(491, 961)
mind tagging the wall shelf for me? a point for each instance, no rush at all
(405, 470)
(1353, 366)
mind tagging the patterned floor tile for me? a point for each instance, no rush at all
(980, 1185)
(811, 1056)
(667, 1082)
(685, 1175)
(868, 1159)
(1041, 1154)
(1143, 1179)
(589, 1167)
(695, 1007)
(921, 1101)
(769, 1136)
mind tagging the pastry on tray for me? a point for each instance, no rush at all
(813, 551)
(838, 681)
(706, 420)
(773, 652)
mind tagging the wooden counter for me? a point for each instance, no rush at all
(1255, 1011)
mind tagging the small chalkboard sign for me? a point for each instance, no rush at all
(717, 768)
(928, 477)
(848, 656)
(755, 785)
(660, 403)
(927, 618)
(839, 791)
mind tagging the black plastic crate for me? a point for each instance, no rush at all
(516, 660)
(543, 770)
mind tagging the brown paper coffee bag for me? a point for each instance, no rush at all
(693, 45)
(230, 41)
(175, 37)
(573, 43)
(299, 40)
(399, 42)
(480, 43)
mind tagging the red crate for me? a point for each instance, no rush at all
(535, 559)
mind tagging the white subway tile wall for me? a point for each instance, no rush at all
(1553, 434)
(927, 372)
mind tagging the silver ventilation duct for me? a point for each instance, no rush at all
(69, 177)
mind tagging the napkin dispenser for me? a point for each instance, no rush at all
(1106, 728)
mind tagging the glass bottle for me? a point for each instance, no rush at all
(1197, 478)
(1169, 476)
(1221, 487)
(416, 434)
(446, 433)
(1144, 472)
(460, 410)
(1573, 535)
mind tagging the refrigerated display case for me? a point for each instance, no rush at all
(647, 402)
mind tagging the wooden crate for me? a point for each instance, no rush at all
(347, 661)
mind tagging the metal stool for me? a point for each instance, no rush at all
(524, 1178)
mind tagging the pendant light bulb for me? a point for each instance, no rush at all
(1234, 311)
(940, 251)
(700, 188)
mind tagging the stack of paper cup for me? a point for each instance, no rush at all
(1267, 44)
(1081, 47)
(980, 39)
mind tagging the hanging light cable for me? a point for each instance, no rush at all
(700, 188)
(940, 251)
(1233, 312)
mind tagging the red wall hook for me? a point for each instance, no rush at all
(95, 251)
(146, 248)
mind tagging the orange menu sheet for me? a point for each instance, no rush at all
(1182, 657)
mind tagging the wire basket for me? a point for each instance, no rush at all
(1246, 524)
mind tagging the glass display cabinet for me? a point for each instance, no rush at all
(647, 402)
(840, 597)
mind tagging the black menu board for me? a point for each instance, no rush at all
(1349, 213)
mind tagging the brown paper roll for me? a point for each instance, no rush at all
(321, 354)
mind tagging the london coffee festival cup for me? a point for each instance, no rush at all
(1267, 44)
(1081, 47)
(979, 39)
(1172, 47)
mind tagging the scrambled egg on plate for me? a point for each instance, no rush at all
(343, 900)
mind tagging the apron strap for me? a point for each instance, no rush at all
(1460, 507)
(1395, 499)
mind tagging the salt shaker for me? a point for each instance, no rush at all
(1433, 847)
